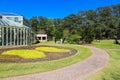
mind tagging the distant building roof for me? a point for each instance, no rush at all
(41, 35)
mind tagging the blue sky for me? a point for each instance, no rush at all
(51, 8)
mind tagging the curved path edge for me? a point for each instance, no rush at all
(78, 71)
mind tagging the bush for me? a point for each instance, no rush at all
(89, 38)
(73, 39)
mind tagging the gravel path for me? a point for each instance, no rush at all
(78, 71)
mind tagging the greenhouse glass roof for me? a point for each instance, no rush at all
(8, 14)
(2, 22)
(7, 22)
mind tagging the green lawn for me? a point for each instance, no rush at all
(14, 69)
(112, 70)
(106, 44)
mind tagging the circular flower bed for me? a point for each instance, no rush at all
(35, 53)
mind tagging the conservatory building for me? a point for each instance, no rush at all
(13, 32)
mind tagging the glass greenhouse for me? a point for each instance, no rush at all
(13, 32)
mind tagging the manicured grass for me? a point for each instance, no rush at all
(52, 49)
(112, 70)
(106, 44)
(13, 69)
(25, 53)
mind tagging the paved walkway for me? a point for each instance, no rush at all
(78, 71)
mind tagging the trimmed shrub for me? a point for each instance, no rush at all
(73, 39)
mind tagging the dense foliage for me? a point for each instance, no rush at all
(102, 23)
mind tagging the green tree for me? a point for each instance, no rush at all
(55, 33)
(34, 24)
